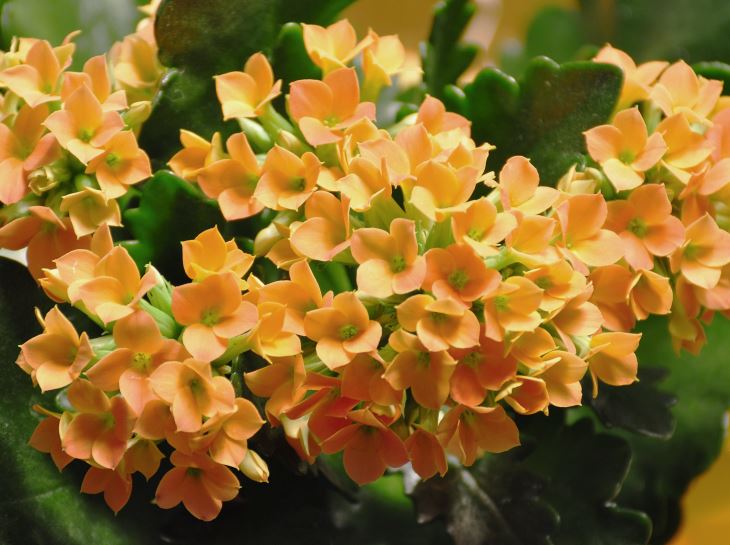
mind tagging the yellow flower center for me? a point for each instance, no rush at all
(475, 234)
(544, 282)
(194, 472)
(472, 359)
(331, 120)
(423, 358)
(298, 184)
(627, 157)
(85, 135)
(438, 317)
(691, 251)
(112, 160)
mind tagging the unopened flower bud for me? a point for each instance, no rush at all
(254, 467)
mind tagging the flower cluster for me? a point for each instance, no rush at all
(68, 149)
(417, 304)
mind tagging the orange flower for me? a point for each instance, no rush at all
(512, 307)
(273, 335)
(323, 109)
(426, 373)
(389, 263)
(45, 236)
(100, 430)
(116, 287)
(95, 75)
(637, 79)
(326, 232)
(280, 383)
(82, 126)
(196, 154)
(611, 287)
(439, 190)
(483, 368)
(213, 312)
(209, 254)
(135, 67)
(364, 184)
(225, 435)
(342, 330)
(332, 47)
(562, 378)
(468, 432)
(527, 395)
(286, 180)
(76, 266)
(646, 226)
(199, 483)
(24, 148)
(232, 181)
(624, 149)
(192, 390)
(481, 227)
(711, 182)
(121, 164)
(300, 294)
(56, 357)
(577, 318)
(679, 90)
(534, 349)
(686, 149)
(559, 282)
(435, 119)
(36, 80)
(612, 359)
(687, 333)
(519, 187)
(426, 454)
(530, 242)
(46, 438)
(369, 447)
(140, 350)
(440, 324)
(584, 242)
(651, 293)
(457, 272)
(89, 209)
(116, 485)
(244, 94)
(363, 379)
(704, 253)
(383, 58)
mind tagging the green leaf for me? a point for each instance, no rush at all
(558, 488)
(290, 59)
(319, 12)
(662, 470)
(39, 505)
(102, 22)
(640, 407)
(170, 210)
(555, 32)
(693, 30)
(445, 58)
(542, 117)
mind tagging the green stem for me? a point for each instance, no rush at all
(256, 134)
(168, 326)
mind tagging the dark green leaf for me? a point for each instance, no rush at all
(640, 407)
(102, 22)
(445, 58)
(542, 117)
(170, 210)
(662, 470)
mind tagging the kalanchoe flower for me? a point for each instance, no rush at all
(244, 94)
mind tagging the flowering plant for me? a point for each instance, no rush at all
(386, 286)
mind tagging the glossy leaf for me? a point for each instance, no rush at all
(544, 115)
(640, 407)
